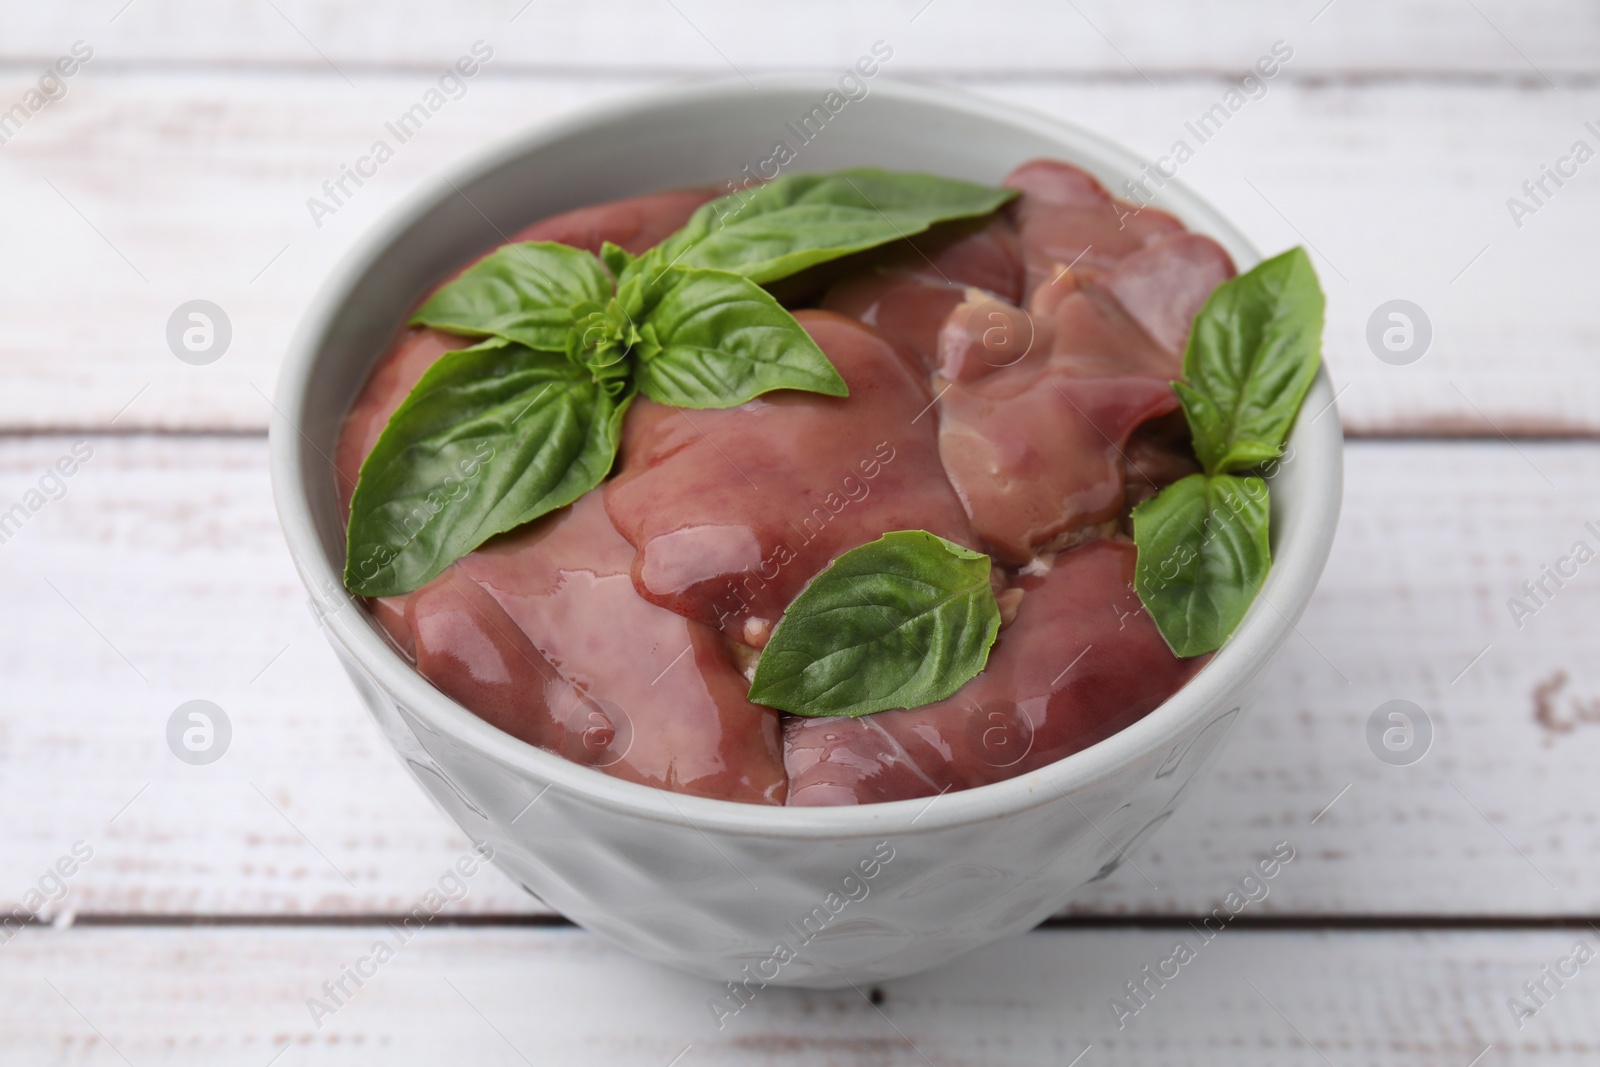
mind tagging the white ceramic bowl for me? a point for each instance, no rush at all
(713, 887)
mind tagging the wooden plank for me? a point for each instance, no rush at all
(718, 36)
(453, 995)
(139, 192)
(160, 577)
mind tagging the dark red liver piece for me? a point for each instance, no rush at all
(467, 646)
(734, 510)
(1164, 284)
(541, 634)
(1084, 332)
(1091, 335)
(1124, 307)
(1067, 219)
(981, 336)
(1040, 425)
(908, 293)
(1081, 661)
(661, 691)
(637, 224)
(1038, 459)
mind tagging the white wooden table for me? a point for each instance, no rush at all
(219, 898)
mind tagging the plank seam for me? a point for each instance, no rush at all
(1409, 921)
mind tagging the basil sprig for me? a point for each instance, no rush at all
(1253, 353)
(528, 421)
(897, 623)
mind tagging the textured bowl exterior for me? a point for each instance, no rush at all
(753, 895)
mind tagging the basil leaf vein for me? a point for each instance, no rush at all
(898, 623)
(523, 292)
(715, 340)
(490, 438)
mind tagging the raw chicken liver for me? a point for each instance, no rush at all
(541, 633)
(910, 292)
(667, 686)
(1081, 661)
(997, 398)
(637, 224)
(1039, 458)
(1036, 422)
(1067, 219)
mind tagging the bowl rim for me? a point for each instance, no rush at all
(1299, 556)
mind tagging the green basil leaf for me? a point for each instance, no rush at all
(1253, 352)
(1203, 555)
(800, 220)
(522, 292)
(616, 258)
(715, 340)
(489, 438)
(898, 623)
